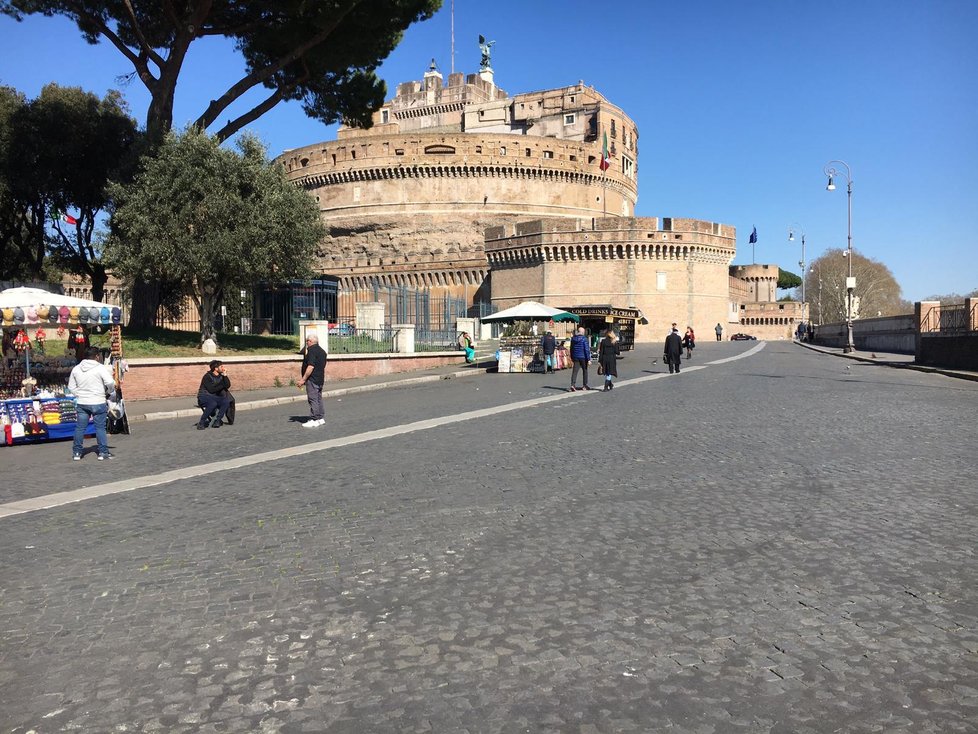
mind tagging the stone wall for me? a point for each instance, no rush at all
(672, 270)
(884, 334)
(167, 378)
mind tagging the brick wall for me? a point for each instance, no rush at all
(161, 378)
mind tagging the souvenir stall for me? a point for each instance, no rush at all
(43, 333)
(521, 352)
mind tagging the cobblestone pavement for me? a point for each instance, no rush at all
(783, 543)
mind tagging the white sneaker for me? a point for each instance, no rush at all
(313, 423)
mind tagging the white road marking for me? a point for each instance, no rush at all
(58, 499)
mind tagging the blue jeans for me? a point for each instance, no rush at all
(98, 413)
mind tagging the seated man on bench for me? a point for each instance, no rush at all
(213, 396)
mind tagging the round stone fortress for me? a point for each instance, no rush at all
(408, 201)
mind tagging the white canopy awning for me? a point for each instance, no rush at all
(530, 311)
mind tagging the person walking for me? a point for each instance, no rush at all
(719, 330)
(213, 396)
(548, 345)
(91, 383)
(580, 354)
(313, 378)
(689, 341)
(608, 351)
(673, 350)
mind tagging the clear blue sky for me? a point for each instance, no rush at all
(739, 107)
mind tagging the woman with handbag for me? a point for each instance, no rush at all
(608, 351)
(689, 341)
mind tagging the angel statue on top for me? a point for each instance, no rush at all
(485, 47)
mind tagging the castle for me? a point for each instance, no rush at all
(462, 188)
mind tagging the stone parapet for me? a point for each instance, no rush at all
(174, 377)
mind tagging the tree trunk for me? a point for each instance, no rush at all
(99, 279)
(207, 311)
(144, 303)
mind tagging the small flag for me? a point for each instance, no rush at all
(66, 218)
(753, 236)
(605, 158)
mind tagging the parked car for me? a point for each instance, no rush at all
(347, 328)
(743, 338)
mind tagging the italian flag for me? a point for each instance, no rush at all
(66, 218)
(605, 158)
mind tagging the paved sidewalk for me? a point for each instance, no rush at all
(891, 359)
(164, 408)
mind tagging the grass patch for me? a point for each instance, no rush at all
(170, 343)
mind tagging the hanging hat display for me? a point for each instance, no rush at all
(116, 315)
(18, 315)
(79, 314)
(93, 314)
(64, 313)
(8, 316)
(103, 315)
(31, 315)
(52, 314)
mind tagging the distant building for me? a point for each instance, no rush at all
(408, 201)
(461, 188)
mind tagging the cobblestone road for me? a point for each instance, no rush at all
(783, 543)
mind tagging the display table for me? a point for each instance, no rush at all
(30, 420)
(523, 354)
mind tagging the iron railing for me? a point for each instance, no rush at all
(949, 319)
(361, 341)
(435, 340)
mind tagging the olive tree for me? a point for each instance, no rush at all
(212, 219)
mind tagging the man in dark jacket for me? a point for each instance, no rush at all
(212, 396)
(313, 378)
(548, 345)
(673, 350)
(580, 353)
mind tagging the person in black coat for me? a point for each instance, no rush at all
(213, 396)
(548, 345)
(673, 350)
(608, 352)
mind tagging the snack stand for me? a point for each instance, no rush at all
(34, 400)
(521, 352)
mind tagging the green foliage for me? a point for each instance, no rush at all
(210, 219)
(57, 153)
(787, 280)
(321, 52)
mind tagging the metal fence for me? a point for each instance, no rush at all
(362, 341)
(435, 340)
(278, 309)
(951, 318)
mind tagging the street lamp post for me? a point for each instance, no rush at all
(831, 172)
(801, 263)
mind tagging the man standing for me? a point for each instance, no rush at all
(314, 377)
(719, 331)
(548, 345)
(212, 395)
(673, 350)
(91, 382)
(580, 353)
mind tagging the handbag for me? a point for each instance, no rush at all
(600, 370)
